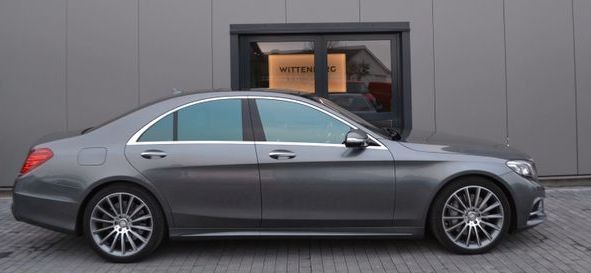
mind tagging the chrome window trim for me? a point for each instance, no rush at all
(323, 111)
(184, 142)
(134, 139)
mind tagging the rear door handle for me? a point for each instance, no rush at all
(149, 154)
(282, 154)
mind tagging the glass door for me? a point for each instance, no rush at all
(359, 72)
(280, 64)
(365, 82)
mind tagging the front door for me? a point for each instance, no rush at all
(309, 178)
(201, 160)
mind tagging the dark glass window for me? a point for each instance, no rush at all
(285, 121)
(282, 66)
(160, 131)
(219, 120)
(366, 84)
(215, 120)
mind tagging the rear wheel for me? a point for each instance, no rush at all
(470, 215)
(123, 223)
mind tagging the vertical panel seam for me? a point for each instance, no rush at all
(576, 88)
(66, 100)
(211, 40)
(507, 139)
(139, 82)
(434, 70)
(359, 10)
(285, 10)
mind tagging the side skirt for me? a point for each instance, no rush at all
(357, 232)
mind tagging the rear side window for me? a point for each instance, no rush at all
(214, 120)
(218, 120)
(160, 131)
(285, 121)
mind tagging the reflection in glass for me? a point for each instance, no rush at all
(282, 66)
(365, 81)
(284, 121)
(219, 120)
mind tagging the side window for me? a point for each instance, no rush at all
(214, 120)
(218, 120)
(160, 131)
(285, 121)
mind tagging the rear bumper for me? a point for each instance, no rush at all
(57, 215)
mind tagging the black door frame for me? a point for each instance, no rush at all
(397, 32)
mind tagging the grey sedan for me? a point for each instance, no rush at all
(267, 164)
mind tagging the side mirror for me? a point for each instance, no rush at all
(356, 139)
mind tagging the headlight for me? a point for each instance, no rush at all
(524, 168)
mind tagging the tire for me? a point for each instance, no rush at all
(482, 223)
(127, 230)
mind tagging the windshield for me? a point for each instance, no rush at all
(352, 116)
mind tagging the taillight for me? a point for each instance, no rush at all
(35, 159)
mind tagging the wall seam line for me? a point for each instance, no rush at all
(285, 10)
(211, 40)
(139, 82)
(434, 70)
(576, 88)
(66, 100)
(359, 11)
(507, 139)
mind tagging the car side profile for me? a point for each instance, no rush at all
(269, 164)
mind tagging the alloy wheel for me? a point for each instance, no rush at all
(473, 217)
(121, 224)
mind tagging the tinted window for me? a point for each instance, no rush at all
(214, 120)
(219, 120)
(292, 122)
(160, 131)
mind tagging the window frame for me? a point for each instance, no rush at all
(397, 32)
(258, 129)
(247, 136)
(250, 126)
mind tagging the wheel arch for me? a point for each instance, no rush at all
(480, 174)
(101, 184)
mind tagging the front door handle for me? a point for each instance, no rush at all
(282, 154)
(149, 154)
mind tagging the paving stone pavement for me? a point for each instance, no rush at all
(561, 244)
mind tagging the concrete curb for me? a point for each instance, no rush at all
(572, 181)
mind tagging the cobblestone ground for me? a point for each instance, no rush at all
(561, 244)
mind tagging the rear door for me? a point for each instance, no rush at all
(203, 160)
(309, 178)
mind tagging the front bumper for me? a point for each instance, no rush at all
(537, 214)
(528, 199)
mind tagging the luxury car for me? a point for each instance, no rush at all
(268, 164)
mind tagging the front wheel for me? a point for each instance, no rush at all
(470, 216)
(123, 223)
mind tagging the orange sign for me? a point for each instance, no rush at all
(296, 72)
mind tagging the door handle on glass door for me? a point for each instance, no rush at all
(282, 154)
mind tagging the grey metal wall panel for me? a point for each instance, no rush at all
(102, 60)
(174, 44)
(226, 12)
(541, 82)
(419, 14)
(318, 11)
(582, 17)
(470, 68)
(32, 77)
